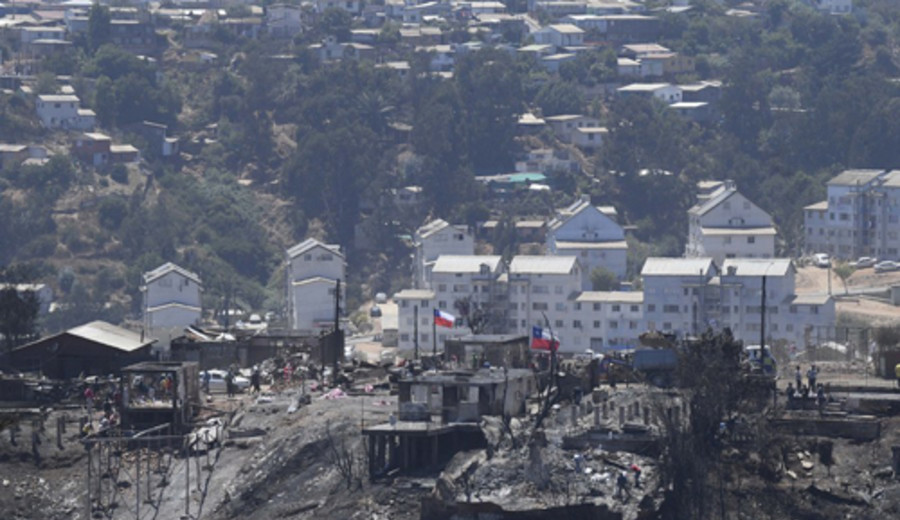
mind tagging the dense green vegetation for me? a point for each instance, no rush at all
(321, 146)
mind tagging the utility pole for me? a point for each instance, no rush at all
(762, 324)
(416, 331)
(338, 334)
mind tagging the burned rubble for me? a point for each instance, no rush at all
(589, 439)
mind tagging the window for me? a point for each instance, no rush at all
(561, 307)
(814, 309)
(635, 308)
(442, 304)
(404, 337)
(442, 287)
(558, 324)
(751, 240)
(613, 324)
(307, 257)
(667, 325)
(651, 307)
(670, 309)
(577, 306)
(425, 337)
(539, 306)
(597, 306)
(596, 324)
(404, 304)
(616, 308)
(424, 303)
(727, 240)
(632, 325)
(576, 324)
(558, 289)
(539, 289)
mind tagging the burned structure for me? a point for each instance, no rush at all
(498, 350)
(439, 414)
(156, 393)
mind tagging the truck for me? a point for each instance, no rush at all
(658, 365)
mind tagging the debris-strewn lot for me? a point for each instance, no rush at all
(281, 460)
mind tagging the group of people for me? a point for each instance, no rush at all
(111, 403)
(804, 391)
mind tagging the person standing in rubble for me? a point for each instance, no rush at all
(229, 383)
(89, 399)
(637, 475)
(798, 375)
(622, 485)
(811, 375)
(255, 379)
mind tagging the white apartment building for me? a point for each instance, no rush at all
(544, 286)
(311, 274)
(560, 35)
(687, 296)
(434, 239)
(790, 318)
(664, 92)
(63, 111)
(284, 20)
(171, 301)
(675, 293)
(725, 224)
(860, 217)
(605, 319)
(591, 234)
(413, 304)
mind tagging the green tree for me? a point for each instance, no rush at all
(99, 22)
(602, 279)
(844, 270)
(18, 316)
(558, 97)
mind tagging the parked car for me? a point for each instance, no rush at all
(865, 261)
(375, 311)
(217, 381)
(822, 260)
(886, 266)
(381, 298)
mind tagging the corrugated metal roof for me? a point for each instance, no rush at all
(757, 266)
(717, 198)
(660, 266)
(432, 227)
(167, 268)
(465, 263)
(111, 336)
(528, 264)
(611, 296)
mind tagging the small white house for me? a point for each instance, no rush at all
(63, 111)
(662, 91)
(434, 239)
(284, 20)
(560, 35)
(312, 271)
(591, 234)
(171, 296)
(725, 224)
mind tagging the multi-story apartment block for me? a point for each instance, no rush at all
(433, 240)
(417, 305)
(312, 272)
(603, 320)
(543, 286)
(689, 295)
(171, 301)
(861, 216)
(725, 224)
(591, 234)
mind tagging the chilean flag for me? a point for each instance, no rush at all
(444, 319)
(542, 340)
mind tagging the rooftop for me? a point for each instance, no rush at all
(414, 294)
(663, 266)
(613, 244)
(855, 177)
(818, 206)
(532, 264)
(311, 243)
(757, 266)
(110, 335)
(643, 87)
(58, 98)
(566, 28)
(167, 268)
(727, 231)
(465, 263)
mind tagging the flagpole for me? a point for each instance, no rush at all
(434, 337)
(552, 354)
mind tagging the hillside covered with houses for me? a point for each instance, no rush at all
(640, 155)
